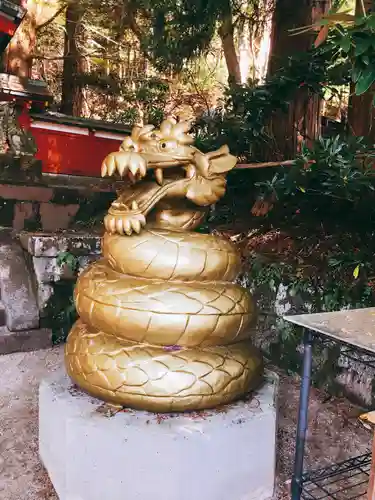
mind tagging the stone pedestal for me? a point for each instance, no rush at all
(223, 454)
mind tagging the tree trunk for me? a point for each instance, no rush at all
(226, 33)
(303, 121)
(260, 37)
(361, 112)
(71, 98)
(21, 48)
(289, 14)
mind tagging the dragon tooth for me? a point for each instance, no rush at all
(142, 167)
(104, 169)
(133, 168)
(111, 167)
(159, 176)
(122, 167)
(134, 205)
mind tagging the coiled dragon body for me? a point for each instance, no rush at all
(163, 327)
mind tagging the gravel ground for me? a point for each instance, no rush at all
(334, 435)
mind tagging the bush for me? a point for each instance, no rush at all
(330, 186)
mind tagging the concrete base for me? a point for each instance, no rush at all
(222, 454)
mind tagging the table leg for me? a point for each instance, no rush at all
(302, 415)
(371, 485)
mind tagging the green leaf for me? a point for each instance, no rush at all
(365, 81)
(366, 60)
(356, 74)
(360, 20)
(370, 21)
(362, 45)
(345, 43)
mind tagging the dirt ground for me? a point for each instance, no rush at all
(334, 435)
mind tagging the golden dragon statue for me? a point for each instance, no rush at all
(163, 326)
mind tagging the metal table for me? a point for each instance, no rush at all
(355, 331)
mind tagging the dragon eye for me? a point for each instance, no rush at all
(167, 145)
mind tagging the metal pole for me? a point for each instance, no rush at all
(302, 415)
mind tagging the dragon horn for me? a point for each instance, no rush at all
(145, 131)
(166, 127)
(180, 130)
(182, 127)
(135, 132)
(221, 161)
(224, 150)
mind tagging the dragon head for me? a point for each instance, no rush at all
(169, 146)
(202, 182)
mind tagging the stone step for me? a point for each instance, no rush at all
(23, 341)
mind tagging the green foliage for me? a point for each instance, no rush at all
(323, 205)
(358, 43)
(323, 281)
(68, 259)
(148, 97)
(178, 31)
(332, 184)
(60, 311)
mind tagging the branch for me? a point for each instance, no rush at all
(362, 3)
(51, 19)
(70, 56)
(132, 24)
(287, 163)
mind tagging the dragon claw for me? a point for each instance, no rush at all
(128, 222)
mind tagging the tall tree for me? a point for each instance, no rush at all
(303, 117)
(22, 45)
(173, 32)
(71, 98)
(226, 32)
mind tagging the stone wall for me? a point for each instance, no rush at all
(51, 203)
(30, 266)
(45, 254)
